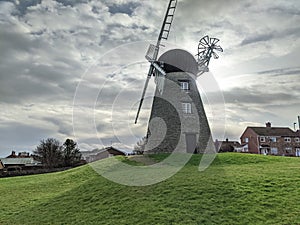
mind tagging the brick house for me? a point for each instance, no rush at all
(272, 140)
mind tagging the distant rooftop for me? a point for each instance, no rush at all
(20, 161)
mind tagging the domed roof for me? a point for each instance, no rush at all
(178, 60)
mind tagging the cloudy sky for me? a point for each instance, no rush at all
(75, 68)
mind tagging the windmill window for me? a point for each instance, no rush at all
(186, 107)
(287, 139)
(184, 85)
(297, 139)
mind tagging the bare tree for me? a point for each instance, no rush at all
(49, 152)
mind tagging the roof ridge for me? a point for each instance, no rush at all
(274, 131)
(270, 127)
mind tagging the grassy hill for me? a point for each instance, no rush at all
(235, 189)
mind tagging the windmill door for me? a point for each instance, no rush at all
(190, 143)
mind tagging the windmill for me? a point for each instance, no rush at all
(177, 102)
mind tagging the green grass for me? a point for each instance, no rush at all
(235, 189)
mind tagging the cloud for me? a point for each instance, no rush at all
(257, 96)
(71, 2)
(22, 6)
(64, 127)
(20, 136)
(257, 38)
(282, 71)
(48, 46)
(265, 88)
(123, 8)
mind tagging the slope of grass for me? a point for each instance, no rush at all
(235, 189)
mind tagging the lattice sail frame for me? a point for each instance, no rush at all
(206, 49)
(152, 54)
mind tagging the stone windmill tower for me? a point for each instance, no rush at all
(178, 119)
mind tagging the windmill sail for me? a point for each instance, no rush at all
(206, 49)
(153, 51)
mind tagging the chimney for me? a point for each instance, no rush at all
(13, 153)
(268, 124)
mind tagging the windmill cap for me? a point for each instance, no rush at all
(179, 60)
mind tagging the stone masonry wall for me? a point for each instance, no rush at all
(168, 125)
